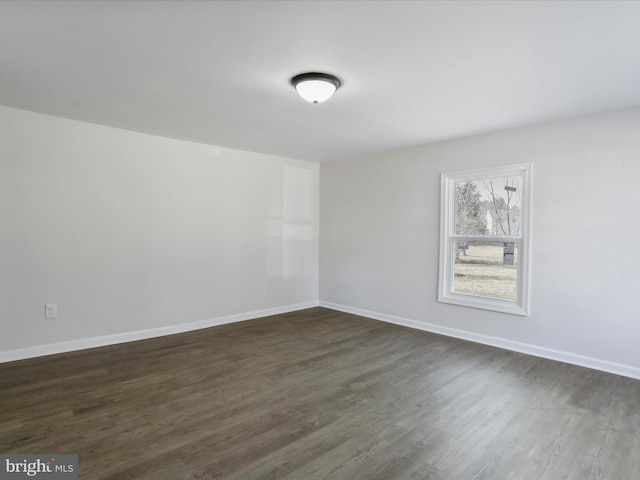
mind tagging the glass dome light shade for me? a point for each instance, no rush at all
(315, 87)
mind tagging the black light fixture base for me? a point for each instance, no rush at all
(327, 77)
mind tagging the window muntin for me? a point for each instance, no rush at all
(485, 239)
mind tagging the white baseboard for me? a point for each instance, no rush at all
(567, 357)
(81, 344)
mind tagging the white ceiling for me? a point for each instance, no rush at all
(413, 72)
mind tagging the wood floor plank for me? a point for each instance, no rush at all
(320, 394)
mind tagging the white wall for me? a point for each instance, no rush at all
(129, 232)
(134, 235)
(379, 239)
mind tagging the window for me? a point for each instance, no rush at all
(485, 239)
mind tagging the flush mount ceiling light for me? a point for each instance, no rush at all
(316, 87)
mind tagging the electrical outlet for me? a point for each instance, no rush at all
(262, 289)
(50, 310)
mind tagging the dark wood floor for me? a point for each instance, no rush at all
(320, 394)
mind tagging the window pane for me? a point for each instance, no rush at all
(485, 268)
(488, 207)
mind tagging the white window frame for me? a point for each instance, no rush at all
(446, 294)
